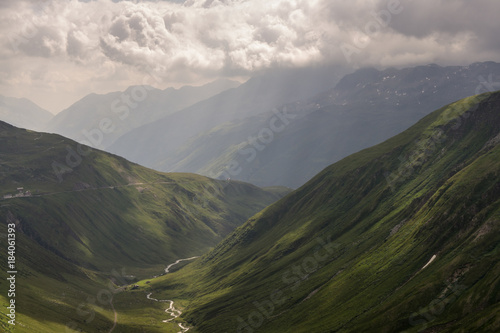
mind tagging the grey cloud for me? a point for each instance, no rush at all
(77, 44)
(211, 36)
(120, 29)
(215, 35)
(204, 39)
(425, 17)
(45, 42)
(419, 32)
(447, 20)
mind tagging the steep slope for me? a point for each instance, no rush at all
(81, 213)
(403, 236)
(364, 109)
(153, 143)
(23, 113)
(100, 119)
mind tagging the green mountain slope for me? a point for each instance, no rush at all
(81, 214)
(403, 236)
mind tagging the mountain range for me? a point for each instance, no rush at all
(290, 146)
(399, 237)
(150, 144)
(402, 236)
(277, 129)
(99, 120)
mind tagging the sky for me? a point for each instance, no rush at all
(56, 52)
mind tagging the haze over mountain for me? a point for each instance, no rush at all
(82, 213)
(363, 109)
(151, 143)
(98, 120)
(23, 113)
(403, 236)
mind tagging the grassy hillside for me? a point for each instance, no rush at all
(403, 236)
(83, 215)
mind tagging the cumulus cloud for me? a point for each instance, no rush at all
(196, 40)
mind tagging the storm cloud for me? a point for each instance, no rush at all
(193, 41)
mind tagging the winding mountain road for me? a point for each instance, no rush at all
(111, 187)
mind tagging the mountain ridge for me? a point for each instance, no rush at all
(99, 119)
(364, 108)
(259, 94)
(23, 112)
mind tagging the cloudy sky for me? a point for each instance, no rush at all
(56, 52)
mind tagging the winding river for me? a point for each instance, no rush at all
(171, 310)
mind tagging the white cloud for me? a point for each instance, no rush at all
(117, 43)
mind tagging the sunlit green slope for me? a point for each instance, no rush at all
(403, 236)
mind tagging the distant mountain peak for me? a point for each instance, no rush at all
(23, 113)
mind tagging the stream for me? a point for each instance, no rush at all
(171, 310)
